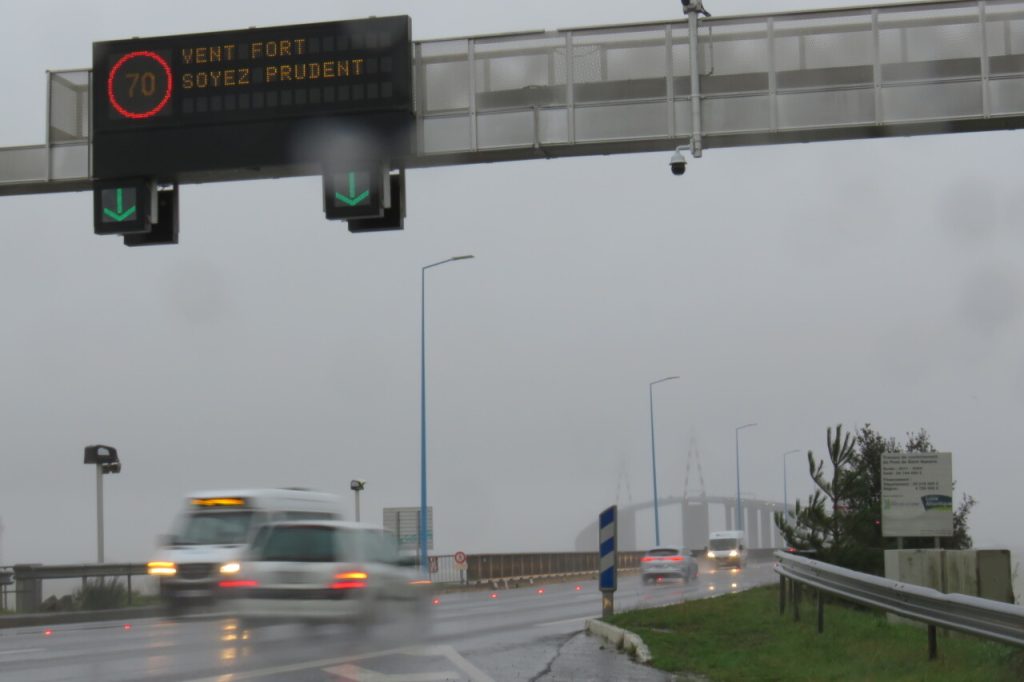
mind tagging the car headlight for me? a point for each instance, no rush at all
(711, 555)
(733, 553)
(230, 568)
(161, 568)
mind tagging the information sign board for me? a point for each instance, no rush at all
(404, 523)
(917, 494)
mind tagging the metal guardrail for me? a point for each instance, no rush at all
(28, 578)
(973, 615)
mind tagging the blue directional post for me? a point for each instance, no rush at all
(607, 546)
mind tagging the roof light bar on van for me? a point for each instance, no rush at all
(349, 580)
(161, 568)
(218, 501)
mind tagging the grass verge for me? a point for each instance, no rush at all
(742, 637)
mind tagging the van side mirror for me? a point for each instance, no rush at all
(166, 540)
(741, 548)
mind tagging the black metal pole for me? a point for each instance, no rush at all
(821, 612)
(933, 644)
(782, 595)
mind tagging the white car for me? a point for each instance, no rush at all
(668, 562)
(328, 571)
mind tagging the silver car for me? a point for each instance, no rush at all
(663, 563)
(328, 571)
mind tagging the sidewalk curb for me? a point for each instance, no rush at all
(620, 639)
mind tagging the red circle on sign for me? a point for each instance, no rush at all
(113, 72)
(460, 557)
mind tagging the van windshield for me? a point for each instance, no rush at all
(215, 528)
(724, 543)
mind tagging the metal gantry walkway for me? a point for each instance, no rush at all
(892, 70)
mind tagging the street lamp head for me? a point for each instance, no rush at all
(663, 379)
(466, 257)
(746, 426)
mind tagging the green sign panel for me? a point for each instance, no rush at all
(356, 193)
(122, 207)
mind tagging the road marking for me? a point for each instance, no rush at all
(475, 673)
(19, 651)
(449, 652)
(580, 619)
(357, 674)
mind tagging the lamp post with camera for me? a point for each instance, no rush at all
(357, 487)
(106, 461)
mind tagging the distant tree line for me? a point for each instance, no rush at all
(841, 523)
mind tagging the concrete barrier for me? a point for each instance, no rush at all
(981, 573)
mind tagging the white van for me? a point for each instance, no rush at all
(213, 529)
(728, 548)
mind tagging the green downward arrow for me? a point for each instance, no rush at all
(352, 198)
(120, 215)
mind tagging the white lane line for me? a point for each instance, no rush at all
(354, 672)
(297, 667)
(449, 652)
(579, 619)
(475, 673)
(19, 651)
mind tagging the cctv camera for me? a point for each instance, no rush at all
(678, 162)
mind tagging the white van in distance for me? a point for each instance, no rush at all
(728, 548)
(211, 533)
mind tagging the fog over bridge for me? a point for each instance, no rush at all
(695, 512)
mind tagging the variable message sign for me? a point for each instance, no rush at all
(204, 106)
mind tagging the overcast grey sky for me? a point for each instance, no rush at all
(796, 286)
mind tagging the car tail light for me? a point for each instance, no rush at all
(239, 583)
(648, 558)
(675, 558)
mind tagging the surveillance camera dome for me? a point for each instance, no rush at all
(678, 163)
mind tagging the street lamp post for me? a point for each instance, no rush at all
(424, 566)
(654, 464)
(785, 479)
(739, 500)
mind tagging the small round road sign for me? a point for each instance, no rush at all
(460, 559)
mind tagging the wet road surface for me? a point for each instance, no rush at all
(516, 634)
